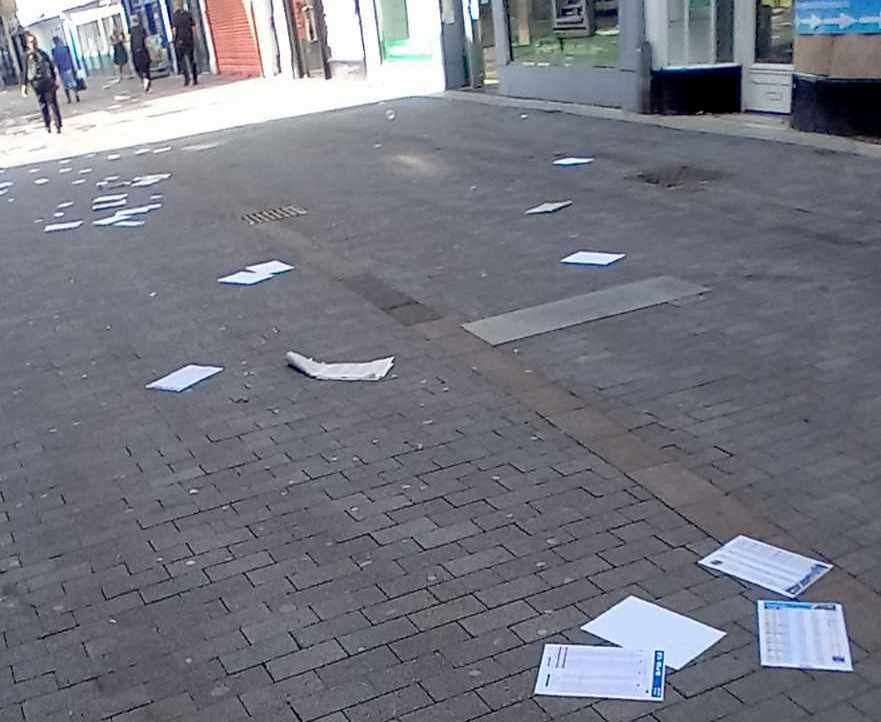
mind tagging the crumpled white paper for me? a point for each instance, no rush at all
(369, 371)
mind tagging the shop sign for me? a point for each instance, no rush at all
(838, 17)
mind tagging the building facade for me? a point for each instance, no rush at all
(402, 41)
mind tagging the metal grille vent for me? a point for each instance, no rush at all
(272, 214)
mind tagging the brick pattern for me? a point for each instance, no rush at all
(270, 547)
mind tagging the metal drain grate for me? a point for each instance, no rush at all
(272, 214)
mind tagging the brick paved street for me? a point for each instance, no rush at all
(270, 547)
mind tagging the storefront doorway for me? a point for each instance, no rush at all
(764, 42)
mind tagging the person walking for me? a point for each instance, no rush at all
(184, 34)
(64, 62)
(40, 76)
(140, 53)
(120, 54)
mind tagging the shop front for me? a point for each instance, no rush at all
(587, 51)
(721, 55)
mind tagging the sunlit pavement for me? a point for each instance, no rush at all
(116, 115)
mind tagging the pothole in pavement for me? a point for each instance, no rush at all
(679, 176)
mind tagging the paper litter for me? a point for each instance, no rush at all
(803, 635)
(570, 670)
(781, 571)
(270, 267)
(369, 371)
(52, 227)
(245, 278)
(184, 377)
(573, 161)
(149, 180)
(550, 207)
(41, 181)
(592, 258)
(637, 624)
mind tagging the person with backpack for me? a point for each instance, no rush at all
(64, 62)
(40, 76)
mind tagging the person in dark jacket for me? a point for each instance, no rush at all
(140, 53)
(183, 28)
(40, 76)
(64, 62)
(120, 54)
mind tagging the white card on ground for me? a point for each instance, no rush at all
(184, 377)
(549, 207)
(142, 151)
(245, 278)
(781, 571)
(41, 181)
(112, 197)
(271, 267)
(369, 371)
(114, 156)
(163, 149)
(108, 204)
(125, 223)
(573, 161)
(803, 635)
(637, 624)
(146, 181)
(52, 227)
(85, 170)
(65, 204)
(6, 184)
(139, 210)
(593, 258)
(79, 181)
(62, 171)
(201, 146)
(571, 670)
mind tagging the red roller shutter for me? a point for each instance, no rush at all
(234, 43)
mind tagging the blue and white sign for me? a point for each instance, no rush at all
(838, 17)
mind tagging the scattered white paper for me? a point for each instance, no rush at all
(65, 204)
(781, 571)
(573, 161)
(270, 267)
(142, 151)
(369, 371)
(62, 171)
(109, 220)
(550, 207)
(114, 156)
(58, 214)
(164, 149)
(148, 180)
(34, 170)
(201, 146)
(140, 210)
(126, 223)
(84, 171)
(4, 191)
(245, 278)
(184, 377)
(593, 258)
(5, 184)
(64, 161)
(110, 198)
(41, 181)
(52, 227)
(637, 624)
(570, 670)
(108, 205)
(803, 635)
(79, 181)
